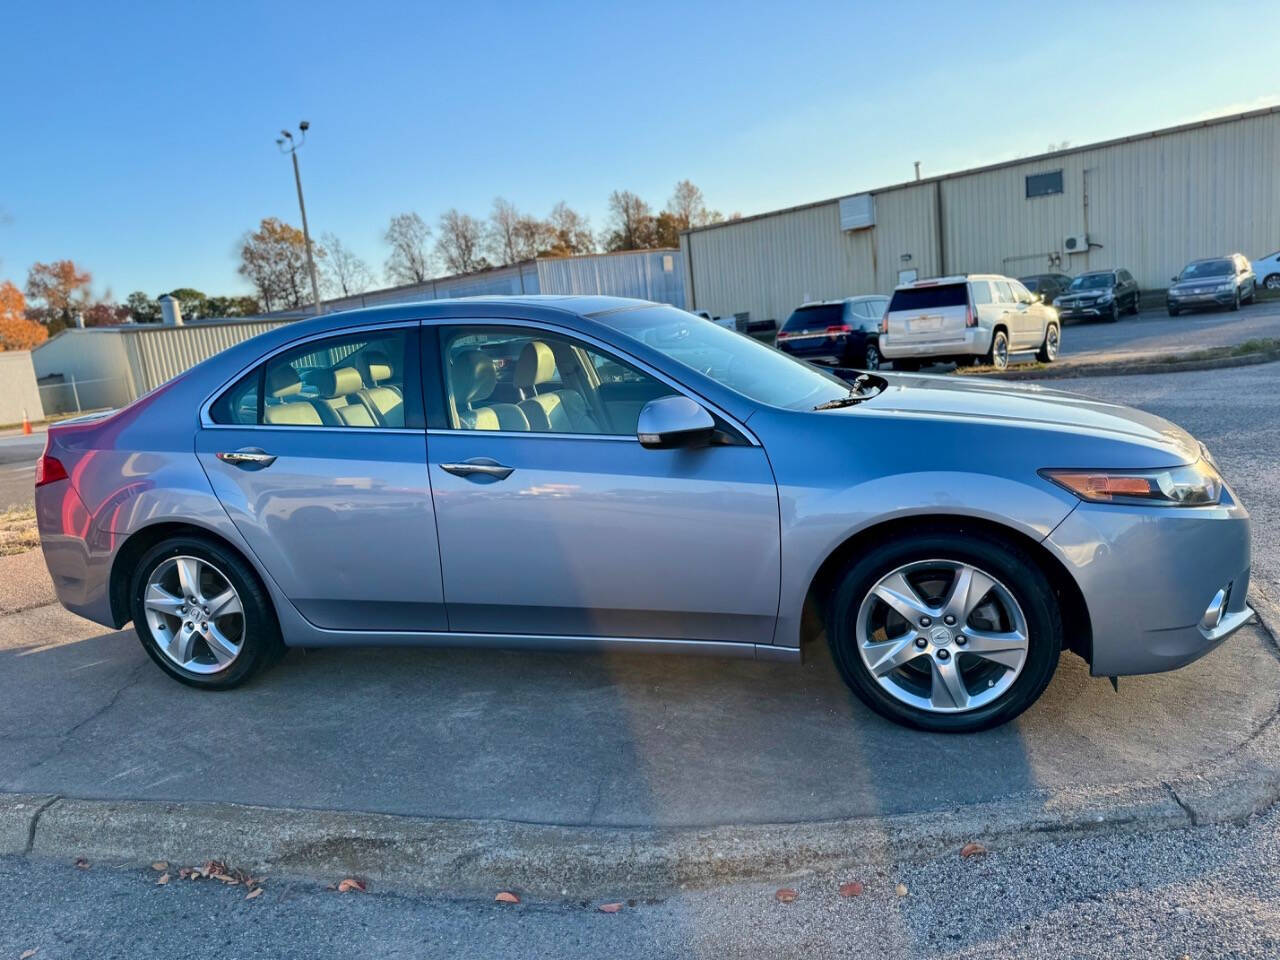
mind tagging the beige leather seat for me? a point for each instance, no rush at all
(384, 399)
(340, 389)
(284, 385)
(551, 411)
(472, 378)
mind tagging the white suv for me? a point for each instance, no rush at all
(967, 319)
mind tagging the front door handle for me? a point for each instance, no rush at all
(479, 468)
(247, 457)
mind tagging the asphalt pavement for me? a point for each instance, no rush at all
(1155, 330)
(18, 456)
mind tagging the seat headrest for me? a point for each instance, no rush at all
(474, 376)
(379, 365)
(537, 364)
(566, 359)
(339, 383)
(283, 382)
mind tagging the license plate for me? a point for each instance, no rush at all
(926, 324)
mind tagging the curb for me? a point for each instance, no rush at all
(1124, 369)
(476, 857)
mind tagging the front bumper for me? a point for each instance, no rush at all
(1190, 300)
(1148, 574)
(975, 341)
(1093, 311)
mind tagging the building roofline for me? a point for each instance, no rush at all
(1001, 165)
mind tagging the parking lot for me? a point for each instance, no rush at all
(1155, 330)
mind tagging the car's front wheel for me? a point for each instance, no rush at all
(946, 631)
(202, 613)
(1272, 282)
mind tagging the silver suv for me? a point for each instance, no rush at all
(972, 318)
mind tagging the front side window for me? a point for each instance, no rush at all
(350, 381)
(525, 380)
(1004, 293)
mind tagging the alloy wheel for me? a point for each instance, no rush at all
(1272, 282)
(1000, 353)
(194, 614)
(872, 359)
(942, 636)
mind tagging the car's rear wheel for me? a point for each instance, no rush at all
(1173, 311)
(998, 354)
(871, 357)
(1048, 351)
(944, 631)
(202, 614)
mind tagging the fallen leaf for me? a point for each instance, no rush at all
(351, 883)
(162, 879)
(255, 892)
(901, 890)
(609, 907)
(28, 954)
(185, 873)
(853, 889)
(506, 896)
(160, 866)
(785, 895)
(972, 849)
(82, 863)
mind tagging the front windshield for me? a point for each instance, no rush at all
(735, 360)
(1207, 268)
(1092, 281)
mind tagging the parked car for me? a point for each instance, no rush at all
(638, 480)
(1100, 294)
(1048, 285)
(1267, 271)
(1214, 282)
(841, 332)
(730, 322)
(966, 319)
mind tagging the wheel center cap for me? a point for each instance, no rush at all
(941, 636)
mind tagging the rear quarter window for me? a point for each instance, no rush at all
(930, 298)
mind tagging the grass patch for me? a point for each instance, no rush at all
(18, 532)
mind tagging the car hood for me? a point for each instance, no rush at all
(967, 399)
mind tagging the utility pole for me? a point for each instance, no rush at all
(288, 145)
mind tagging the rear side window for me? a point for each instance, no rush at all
(816, 317)
(930, 298)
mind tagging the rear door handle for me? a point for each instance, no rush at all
(478, 468)
(247, 457)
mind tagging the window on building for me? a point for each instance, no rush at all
(1044, 184)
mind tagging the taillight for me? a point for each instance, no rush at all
(839, 328)
(884, 322)
(49, 469)
(969, 319)
(783, 336)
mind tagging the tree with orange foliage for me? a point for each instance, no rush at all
(62, 289)
(16, 331)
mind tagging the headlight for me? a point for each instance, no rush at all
(1105, 298)
(1195, 485)
(1057, 301)
(1225, 287)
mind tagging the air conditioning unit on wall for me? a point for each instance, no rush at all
(1076, 243)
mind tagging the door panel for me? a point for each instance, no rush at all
(594, 536)
(342, 520)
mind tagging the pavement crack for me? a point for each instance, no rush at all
(1173, 795)
(134, 676)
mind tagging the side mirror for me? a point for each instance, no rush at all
(1173, 279)
(1037, 298)
(676, 421)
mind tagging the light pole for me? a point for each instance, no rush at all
(288, 145)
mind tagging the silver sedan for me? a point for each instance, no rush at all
(604, 474)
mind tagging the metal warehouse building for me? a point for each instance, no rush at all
(1149, 203)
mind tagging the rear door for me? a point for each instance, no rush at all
(319, 458)
(928, 313)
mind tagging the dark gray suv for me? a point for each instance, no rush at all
(1215, 282)
(1099, 294)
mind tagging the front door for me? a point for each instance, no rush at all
(319, 457)
(554, 520)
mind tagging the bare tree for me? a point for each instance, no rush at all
(347, 274)
(631, 223)
(461, 239)
(501, 237)
(410, 260)
(687, 206)
(570, 231)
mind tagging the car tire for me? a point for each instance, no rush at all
(1272, 282)
(1000, 691)
(871, 357)
(1048, 351)
(1173, 311)
(998, 352)
(245, 636)
(1114, 315)
(1235, 302)
(1136, 307)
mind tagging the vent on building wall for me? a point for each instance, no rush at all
(857, 212)
(1076, 243)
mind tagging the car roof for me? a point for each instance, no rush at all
(827, 303)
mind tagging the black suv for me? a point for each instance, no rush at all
(1048, 285)
(1100, 294)
(843, 333)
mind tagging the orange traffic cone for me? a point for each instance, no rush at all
(26, 424)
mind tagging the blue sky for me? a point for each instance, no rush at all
(140, 142)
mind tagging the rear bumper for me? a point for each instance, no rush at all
(78, 556)
(1148, 576)
(975, 341)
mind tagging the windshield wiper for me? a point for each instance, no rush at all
(854, 396)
